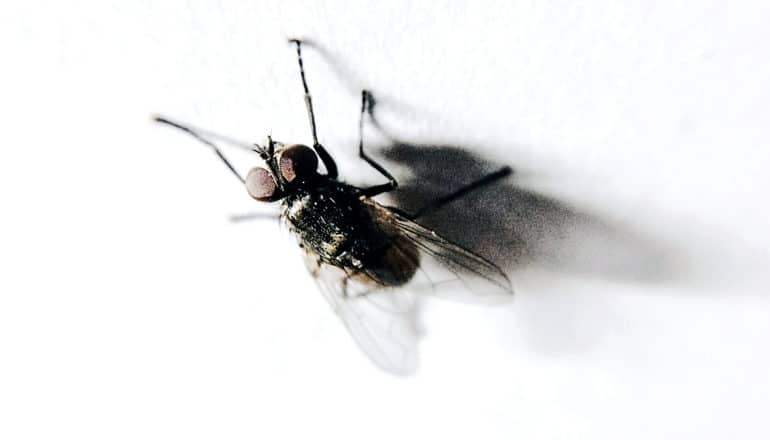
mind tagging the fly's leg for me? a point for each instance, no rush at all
(392, 183)
(451, 197)
(345, 293)
(331, 166)
(198, 136)
(238, 218)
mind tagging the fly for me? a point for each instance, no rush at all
(366, 258)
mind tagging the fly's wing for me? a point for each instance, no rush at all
(381, 316)
(381, 321)
(445, 269)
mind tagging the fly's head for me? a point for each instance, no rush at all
(287, 169)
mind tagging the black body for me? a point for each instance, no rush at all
(339, 226)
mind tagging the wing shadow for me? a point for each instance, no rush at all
(515, 226)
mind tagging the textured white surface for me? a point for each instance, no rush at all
(131, 308)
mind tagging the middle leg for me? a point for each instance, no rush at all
(376, 189)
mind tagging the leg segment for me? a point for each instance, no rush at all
(392, 183)
(198, 136)
(331, 166)
(237, 218)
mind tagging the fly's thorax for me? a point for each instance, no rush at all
(324, 219)
(296, 207)
(332, 222)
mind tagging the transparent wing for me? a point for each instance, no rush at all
(382, 318)
(383, 322)
(446, 269)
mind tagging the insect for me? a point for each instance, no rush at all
(367, 259)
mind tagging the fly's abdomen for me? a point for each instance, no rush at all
(393, 264)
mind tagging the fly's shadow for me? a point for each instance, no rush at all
(515, 226)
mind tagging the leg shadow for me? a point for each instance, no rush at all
(516, 227)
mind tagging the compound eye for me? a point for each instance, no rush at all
(297, 161)
(260, 184)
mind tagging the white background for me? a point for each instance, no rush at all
(131, 308)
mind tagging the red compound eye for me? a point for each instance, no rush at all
(297, 161)
(260, 184)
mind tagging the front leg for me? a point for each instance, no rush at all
(326, 158)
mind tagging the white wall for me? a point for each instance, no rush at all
(131, 307)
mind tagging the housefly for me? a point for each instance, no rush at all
(367, 259)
